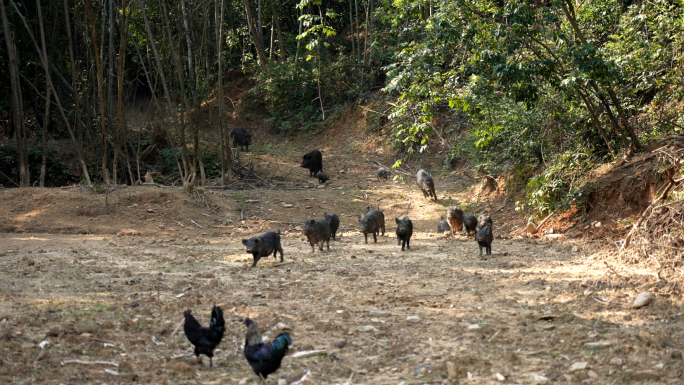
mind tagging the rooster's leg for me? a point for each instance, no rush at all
(263, 380)
(211, 362)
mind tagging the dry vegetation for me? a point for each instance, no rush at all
(104, 280)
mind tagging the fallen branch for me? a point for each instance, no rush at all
(111, 363)
(196, 224)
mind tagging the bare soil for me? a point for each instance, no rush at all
(93, 286)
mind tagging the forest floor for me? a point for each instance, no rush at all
(93, 286)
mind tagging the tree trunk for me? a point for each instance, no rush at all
(300, 11)
(618, 106)
(105, 172)
(120, 70)
(279, 33)
(110, 72)
(77, 123)
(191, 69)
(597, 122)
(189, 169)
(184, 172)
(261, 26)
(351, 30)
(270, 49)
(256, 37)
(17, 113)
(46, 68)
(219, 50)
(365, 43)
(358, 32)
(46, 121)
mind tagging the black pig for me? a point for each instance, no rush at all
(241, 137)
(264, 245)
(484, 239)
(323, 177)
(334, 222)
(426, 184)
(371, 224)
(313, 161)
(384, 173)
(404, 232)
(317, 232)
(483, 220)
(471, 225)
(442, 226)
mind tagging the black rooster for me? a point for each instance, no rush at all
(264, 358)
(205, 339)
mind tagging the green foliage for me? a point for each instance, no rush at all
(56, 170)
(559, 185)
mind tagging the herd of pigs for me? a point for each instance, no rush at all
(321, 231)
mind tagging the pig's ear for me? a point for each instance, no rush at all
(396, 220)
(244, 242)
(257, 240)
(358, 219)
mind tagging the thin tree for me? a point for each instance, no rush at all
(74, 91)
(17, 113)
(46, 121)
(110, 71)
(119, 113)
(184, 172)
(190, 175)
(105, 172)
(351, 30)
(46, 68)
(279, 33)
(219, 51)
(256, 35)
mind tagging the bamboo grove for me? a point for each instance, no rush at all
(517, 84)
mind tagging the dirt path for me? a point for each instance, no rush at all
(381, 315)
(106, 278)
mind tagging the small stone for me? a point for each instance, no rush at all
(451, 370)
(135, 304)
(474, 327)
(644, 334)
(54, 331)
(676, 355)
(592, 374)
(181, 367)
(273, 295)
(367, 328)
(87, 326)
(549, 231)
(341, 344)
(577, 366)
(538, 380)
(43, 355)
(598, 344)
(627, 317)
(575, 249)
(213, 283)
(597, 224)
(500, 377)
(643, 299)
(207, 274)
(645, 375)
(616, 361)
(413, 318)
